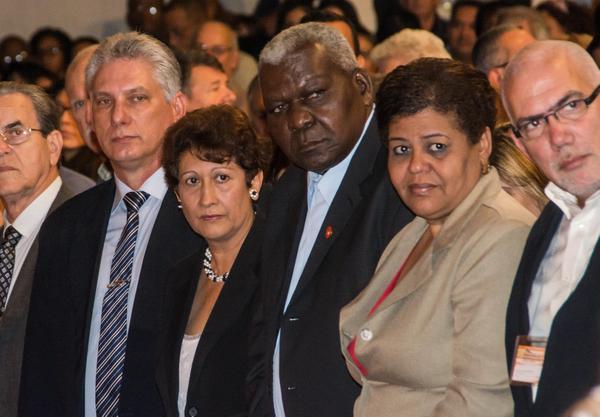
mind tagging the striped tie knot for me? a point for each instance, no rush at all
(134, 200)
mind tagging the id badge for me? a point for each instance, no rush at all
(528, 360)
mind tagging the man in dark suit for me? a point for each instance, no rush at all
(30, 188)
(331, 215)
(95, 306)
(555, 295)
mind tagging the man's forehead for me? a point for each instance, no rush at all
(16, 106)
(207, 74)
(308, 57)
(125, 73)
(214, 33)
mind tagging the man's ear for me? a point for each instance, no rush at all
(365, 85)
(179, 105)
(54, 140)
(494, 76)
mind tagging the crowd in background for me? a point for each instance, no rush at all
(406, 30)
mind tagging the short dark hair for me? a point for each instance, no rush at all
(464, 3)
(486, 51)
(219, 134)
(48, 32)
(195, 58)
(446, 86)
(324, 16)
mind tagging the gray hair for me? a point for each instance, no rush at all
(82, 57)
(409, 44)
(486, 52)
(540, 54)
(290, 40)
(46, 110)
(514, 15)
(134, 45)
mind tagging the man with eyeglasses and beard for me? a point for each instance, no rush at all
(549, 91)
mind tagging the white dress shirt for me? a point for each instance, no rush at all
(566, 260)
(28, 223)
(189, 345)
(326, 189)
(157, 188)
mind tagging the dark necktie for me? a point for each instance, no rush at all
(7, 262)
(113, 323)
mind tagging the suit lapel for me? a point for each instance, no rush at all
(291, 216)
(232, 302)
(548, 225)
(348, 196)
(87, 254)
(160, 256)
(22, 287)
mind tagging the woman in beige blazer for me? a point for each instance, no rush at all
(426, 337)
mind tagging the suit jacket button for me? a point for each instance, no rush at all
(193, 412)
(293, 319)
(291, 388)
(366, 335)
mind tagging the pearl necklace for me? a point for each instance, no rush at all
(209, 271)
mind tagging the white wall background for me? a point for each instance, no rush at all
(100, 17)
(77, 17)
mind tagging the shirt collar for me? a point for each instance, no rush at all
(330, 181)
(34, 214)
(567, 202)
(155, 185)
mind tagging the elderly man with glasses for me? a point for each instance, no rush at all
(30, 188)
(553, 321)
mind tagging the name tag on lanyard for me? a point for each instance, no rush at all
(528, 360)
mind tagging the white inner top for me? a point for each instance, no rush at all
(186, 359)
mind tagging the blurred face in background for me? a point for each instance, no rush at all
(208, 86)
(51, 55)
(72, 139)
(461, 33)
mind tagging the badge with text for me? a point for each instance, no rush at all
(528, 360)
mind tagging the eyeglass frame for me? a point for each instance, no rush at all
(545, 116)
(216, 50)
(27, 136)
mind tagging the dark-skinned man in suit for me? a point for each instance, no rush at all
(331, 216)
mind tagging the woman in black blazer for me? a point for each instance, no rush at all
(215, 164)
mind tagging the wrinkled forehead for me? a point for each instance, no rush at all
(539, 85)
(296, 74)
(307, 60)
(17, 107)
(214, 34)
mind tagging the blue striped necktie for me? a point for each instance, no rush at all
(10, 239)
(113, 323)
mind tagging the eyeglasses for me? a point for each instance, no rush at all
(216, 50)
(534, 127)
(54, 50)
(16, 135)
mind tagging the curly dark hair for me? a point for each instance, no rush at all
(49, 32)
(444, 85)
(217, 134)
